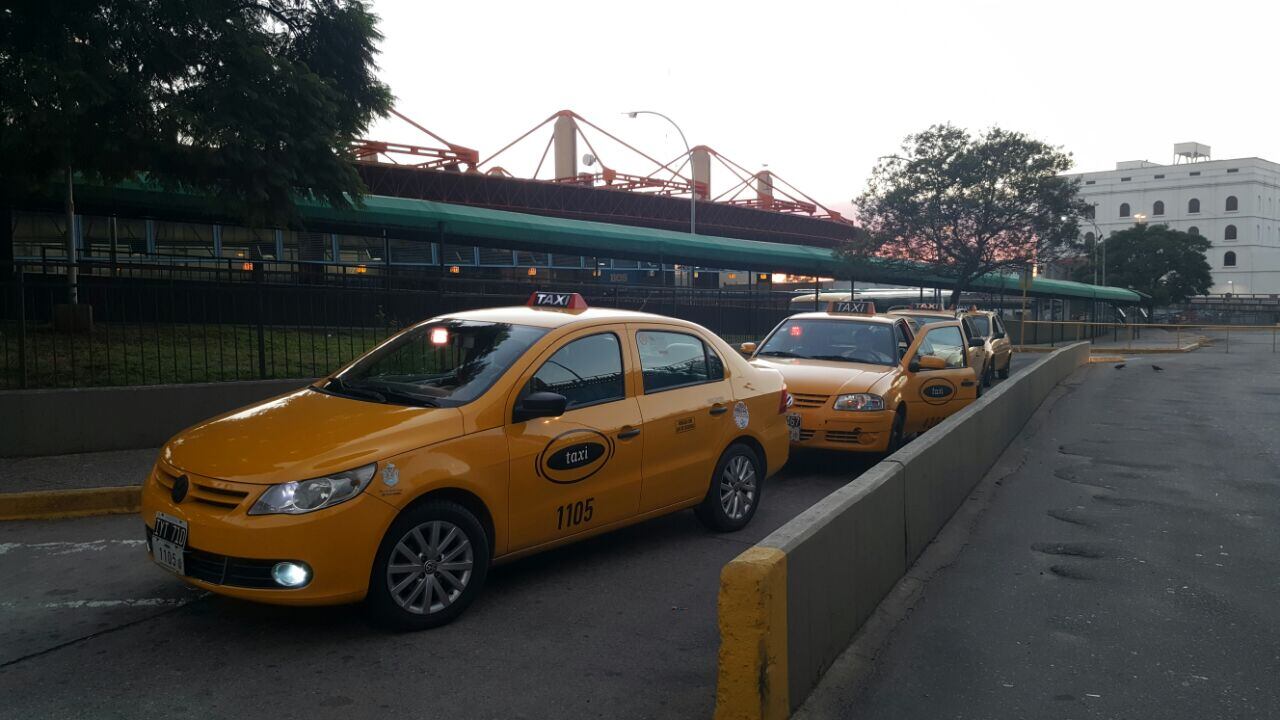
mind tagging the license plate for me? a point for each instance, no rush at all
(168, 541)
(793, 424)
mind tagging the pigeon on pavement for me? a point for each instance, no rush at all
(1120, 366)
(1157, 368)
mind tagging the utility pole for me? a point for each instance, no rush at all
(72, 292)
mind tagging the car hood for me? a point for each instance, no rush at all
(825, 377)
(305, 434)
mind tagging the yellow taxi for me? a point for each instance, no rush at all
(467, 439)
(921, 314)
(988, 326)
(863, 382)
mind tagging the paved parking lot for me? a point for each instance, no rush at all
(620, 626)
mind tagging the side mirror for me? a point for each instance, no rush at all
(914, 365)
(976, 342)
(540, 404)
(747, 348)
(999, 335)
(927, 362)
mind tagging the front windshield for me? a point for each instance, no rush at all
(981, 324)
(839, 340)
(436, 364)
(922, 320)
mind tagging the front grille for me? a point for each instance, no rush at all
(806, 435)
(214, 493)
(226, 570)
(809, 401)
(843, 436)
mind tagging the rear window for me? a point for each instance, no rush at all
(981, 324)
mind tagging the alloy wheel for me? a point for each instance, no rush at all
(430, 567)
(738, 487)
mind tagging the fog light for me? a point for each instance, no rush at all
(291, 574)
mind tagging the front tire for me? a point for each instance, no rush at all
(897, 433)
(1004, 372)
(430, 566)
(734, 494)
(988, 374)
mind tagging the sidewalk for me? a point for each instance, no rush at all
(74, 472)
(1126, 564)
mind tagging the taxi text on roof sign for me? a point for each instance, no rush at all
(852, 307)
(565, 301)
(925, 306)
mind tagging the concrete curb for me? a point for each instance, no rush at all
(791, 604)
(59, 504)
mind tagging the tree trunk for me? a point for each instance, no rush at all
(72, 291)
(959, 286)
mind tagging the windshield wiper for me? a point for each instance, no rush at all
(354, 391)
(389, 391)
(842, 358)
(779, 353)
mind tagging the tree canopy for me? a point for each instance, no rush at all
(1169, 265)
(967, 205)
(249, 100)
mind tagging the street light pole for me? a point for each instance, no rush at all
(693, 187)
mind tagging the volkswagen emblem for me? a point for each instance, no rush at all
(180, 487)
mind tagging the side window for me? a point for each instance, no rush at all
(672, 359)
(587, 371)
(999, 324)
(946, 343)
(902, 337)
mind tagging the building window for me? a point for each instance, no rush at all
(1230, 233)
(1195, 173)
(1159, 177)
(1124, 209)
(1229, 259)
(1158, 208)
(1193, 230)
(1233, 170)
(1193, 205)
(1125, 179)
(1090, 182)
(1232, 203)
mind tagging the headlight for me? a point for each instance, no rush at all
(860, 402)
(295, 498)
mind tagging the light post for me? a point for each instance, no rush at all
(693, 187)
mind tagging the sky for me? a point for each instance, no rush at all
(816, 91)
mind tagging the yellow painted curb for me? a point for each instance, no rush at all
(57, 504)
(752, 683)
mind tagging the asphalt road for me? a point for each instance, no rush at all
(1127, 566)
(619, 626)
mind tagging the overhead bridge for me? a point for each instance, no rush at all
(430, 221)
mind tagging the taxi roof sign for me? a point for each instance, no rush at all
(925, 306)
(852, 307)
(557, 301)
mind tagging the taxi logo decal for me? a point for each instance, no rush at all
(937, 391)
(854, 307)
(574, 456)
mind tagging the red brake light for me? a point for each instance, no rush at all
(784, 400)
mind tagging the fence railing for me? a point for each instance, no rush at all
(203, 326)
(1128, 336)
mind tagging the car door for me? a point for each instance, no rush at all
(582, 469)
(934, 394)
(1004, 348)
(687, 405)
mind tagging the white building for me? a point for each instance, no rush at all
(1233, 203)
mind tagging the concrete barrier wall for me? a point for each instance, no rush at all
(837, 560)
(55, 422)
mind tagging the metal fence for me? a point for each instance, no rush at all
(1124, 337)
(165, 324)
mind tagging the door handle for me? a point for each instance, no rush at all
(629, 433)
(719, 409)
(967, 383)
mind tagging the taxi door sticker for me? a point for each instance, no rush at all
(937, 391)
(574, 456)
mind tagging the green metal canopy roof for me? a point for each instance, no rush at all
(562, 235)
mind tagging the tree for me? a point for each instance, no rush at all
(966, 206)
(251, 101)
(1169, 265)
